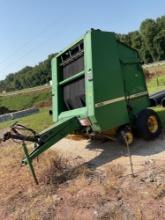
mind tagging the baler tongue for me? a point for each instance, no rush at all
(43, 140)
(53, 134)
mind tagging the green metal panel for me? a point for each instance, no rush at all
(108, 82)
(133, 78)
(79, 112)
(113, 80)
(89, 80)
(58, 108)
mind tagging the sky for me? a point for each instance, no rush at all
(30, 30)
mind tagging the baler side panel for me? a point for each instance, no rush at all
(68, 76)
(108, 82)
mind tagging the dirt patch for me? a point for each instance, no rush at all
(100, 153)
(154, 71)
(87, 180)
(44, 104)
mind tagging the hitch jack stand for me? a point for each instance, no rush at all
(129, 154)
(29, 162)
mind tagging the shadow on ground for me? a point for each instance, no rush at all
(112, 150)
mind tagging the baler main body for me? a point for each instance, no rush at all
(100, 79)
(98, 85)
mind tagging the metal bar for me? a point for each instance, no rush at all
(72, 78)
(53, 136)
(72, 58)
(111, 101)
(20, 137)
(80, 40)
(29, 162)
(130, 156)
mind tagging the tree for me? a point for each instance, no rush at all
(149, 30)
(159, 44)
(161, 23)
(135, 39)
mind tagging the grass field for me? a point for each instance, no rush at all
(157, 81)
(26, 100)
(156, 84)
(27, 90)
(38, 121)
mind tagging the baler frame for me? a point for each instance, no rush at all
(41, 141)
(109, 75)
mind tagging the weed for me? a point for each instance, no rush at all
(112, 180)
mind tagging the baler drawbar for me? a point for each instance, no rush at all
(43, 140)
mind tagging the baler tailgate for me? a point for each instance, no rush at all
(53, 134)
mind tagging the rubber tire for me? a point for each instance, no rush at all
(142, 125)
(119, 135)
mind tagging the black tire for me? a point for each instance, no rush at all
(127, 132)
(143, 127)
(163, 102)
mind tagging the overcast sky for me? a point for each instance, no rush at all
(33, 29)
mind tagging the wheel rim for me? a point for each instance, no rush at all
(152, 124)
(129, 137)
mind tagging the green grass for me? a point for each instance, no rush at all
(38, 121)
(153, 89)
(156, 84)
(27, 90)
(23, 101)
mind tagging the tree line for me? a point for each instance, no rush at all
(28, 77)
(149, 41)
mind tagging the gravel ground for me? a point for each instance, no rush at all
(99, 153)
